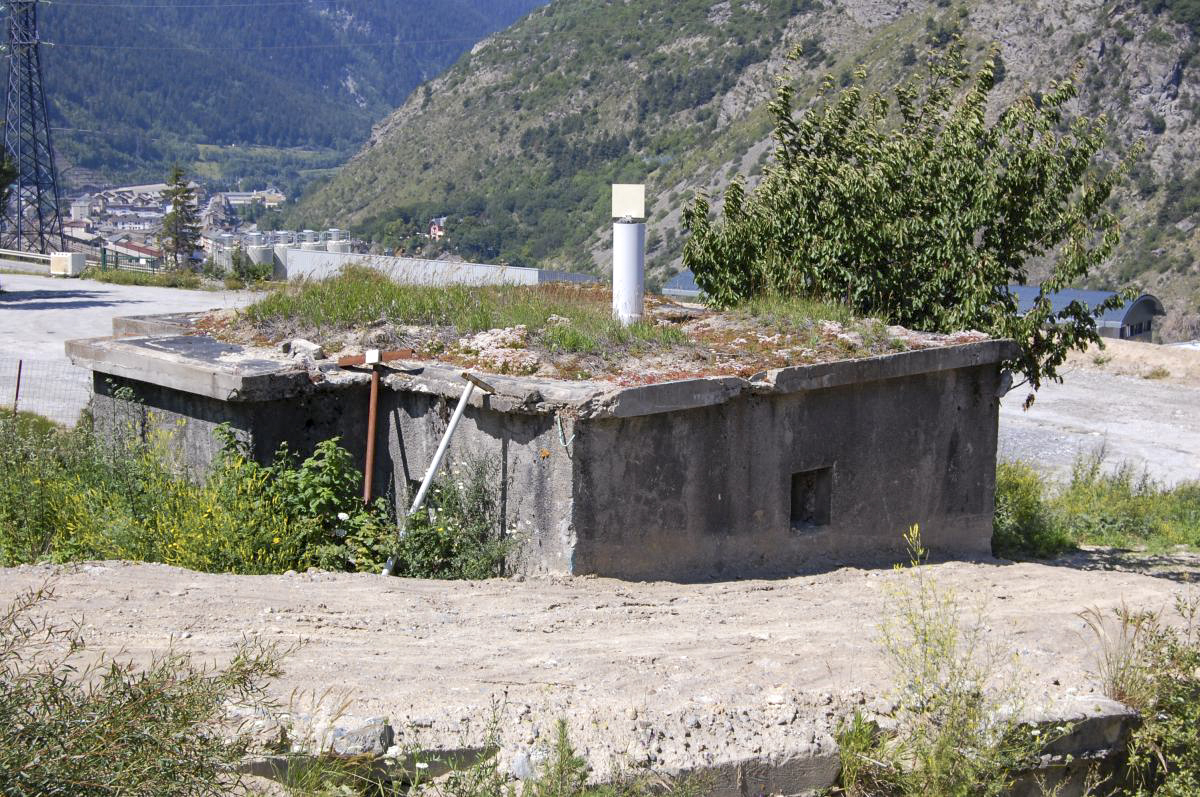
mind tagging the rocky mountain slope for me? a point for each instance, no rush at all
(518, 142)
(137, 84)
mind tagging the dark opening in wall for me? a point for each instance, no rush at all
(812, 492)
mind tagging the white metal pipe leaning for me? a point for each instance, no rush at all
(438, 455)
(629, 270)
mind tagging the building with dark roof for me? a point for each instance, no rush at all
(1133, 320)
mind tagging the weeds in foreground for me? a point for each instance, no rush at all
(1120, 507)
(1153, 666)
(75, 722)
(68, 495)
(168, 278)
(563, 774)
(104, 728)
(953, 730)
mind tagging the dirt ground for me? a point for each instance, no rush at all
(665, 675)
(1140, 402)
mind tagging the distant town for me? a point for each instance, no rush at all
(124, 223)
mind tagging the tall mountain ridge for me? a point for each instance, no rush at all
(240, 89)
(518, 141)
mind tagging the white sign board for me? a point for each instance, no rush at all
(628, 201)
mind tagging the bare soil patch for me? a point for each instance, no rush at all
(1106, 402)
(1166, 364)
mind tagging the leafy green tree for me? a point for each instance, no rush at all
(180, 233)
(922, 210)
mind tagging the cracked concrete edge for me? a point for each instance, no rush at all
(159, 324)
(521, 394)
(587, 400)
(1099, 730)
(118, 358)
(795, 379)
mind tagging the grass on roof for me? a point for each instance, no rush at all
(359, 296)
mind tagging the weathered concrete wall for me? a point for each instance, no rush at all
(321, 265)
(797, 469)
(190, 420)
(709, 492)
(533, 473)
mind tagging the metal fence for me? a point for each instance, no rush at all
(54, 389)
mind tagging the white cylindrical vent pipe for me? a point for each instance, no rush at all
(629, 270)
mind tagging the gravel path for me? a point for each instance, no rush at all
(1107, 400)
(1155, 425)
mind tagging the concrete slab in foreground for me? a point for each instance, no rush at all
(745, 680)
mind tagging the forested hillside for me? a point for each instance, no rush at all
(520, 139)
(241, 89)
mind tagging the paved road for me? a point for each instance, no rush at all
(38, 314)
(1152, 424)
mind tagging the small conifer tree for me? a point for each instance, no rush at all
(181, 225)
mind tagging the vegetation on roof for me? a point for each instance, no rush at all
(562, 330)
(360, 297)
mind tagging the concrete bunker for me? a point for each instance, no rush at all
(793, 470)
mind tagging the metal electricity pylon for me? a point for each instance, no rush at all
(32, 220)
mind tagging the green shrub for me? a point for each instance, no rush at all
(105, 728)
(1153, 665)
(1126, 508)
(857, 208)
(460, 533)
(1025, 524)
(1119, 507)
(956, 728)
(65, 495)
(246, 270)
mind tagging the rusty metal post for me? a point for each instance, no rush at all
(372, 410)
(17, 394)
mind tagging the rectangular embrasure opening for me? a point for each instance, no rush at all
(812, 494)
